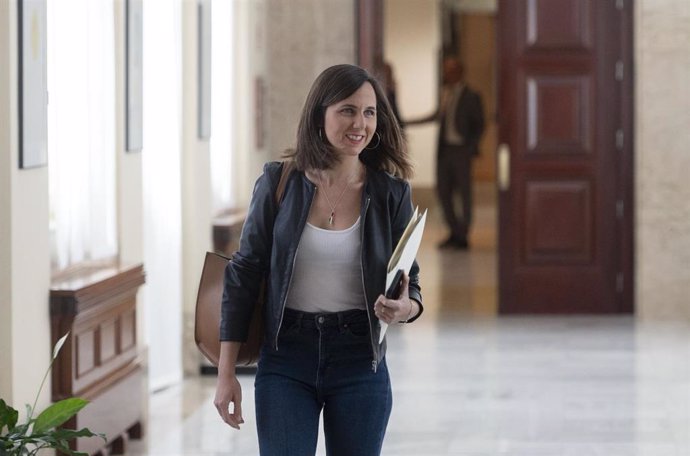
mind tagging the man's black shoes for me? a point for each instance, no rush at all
(454, 243)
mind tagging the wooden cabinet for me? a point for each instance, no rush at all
(226, 231)
(101, 360)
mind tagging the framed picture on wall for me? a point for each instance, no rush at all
(33, 84)
(259, 95)
(133, 75)
(204, 69)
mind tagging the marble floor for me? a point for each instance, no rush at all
(469, 383)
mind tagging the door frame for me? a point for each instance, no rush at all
(625, 208)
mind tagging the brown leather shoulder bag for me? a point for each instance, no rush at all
(210, 296)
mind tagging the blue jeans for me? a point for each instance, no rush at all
(323, 362)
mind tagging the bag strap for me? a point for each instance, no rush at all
(285, 172)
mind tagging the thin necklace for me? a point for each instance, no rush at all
(331, 219)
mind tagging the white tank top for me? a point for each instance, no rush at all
(327, 276)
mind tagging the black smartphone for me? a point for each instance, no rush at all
(395, 290)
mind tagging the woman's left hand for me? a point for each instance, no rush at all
(395, 310)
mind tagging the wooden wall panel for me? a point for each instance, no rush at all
(100, 361)
(558, 24)
(108, 354)
(558, 115)
(108, 332)
(115, 409)
(128, 330)
(559, 225)
(86, 352)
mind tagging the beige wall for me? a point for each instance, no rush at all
(412, 46)
(30, 265)
(662, 148)
(250, 52)
(196, 184)
(25, 270)
(478, 54)
(6, 127)
(129, 177)
(302, 39)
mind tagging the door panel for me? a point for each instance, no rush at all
(558, 225)
(560, 112)
(557, 24)
(558, 115)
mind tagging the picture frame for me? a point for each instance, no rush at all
(133, 75)
(259, 112)
(33, 83)
(204, 40)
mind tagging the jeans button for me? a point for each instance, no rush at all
(321, 320)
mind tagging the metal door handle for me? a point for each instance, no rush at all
(503, 167)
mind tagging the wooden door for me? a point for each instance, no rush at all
(565, 163)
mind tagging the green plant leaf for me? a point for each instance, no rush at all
(44, 430)
(8, 416)
(5, 445)
(68, 434)
(56, 350)
(19, 430)
(58, 439)
(58, 413)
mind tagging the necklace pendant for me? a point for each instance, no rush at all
(330, 219)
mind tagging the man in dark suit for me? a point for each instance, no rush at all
(461, 119)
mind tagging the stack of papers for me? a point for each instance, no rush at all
(404, 253)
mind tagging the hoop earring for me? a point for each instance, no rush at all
(378, 136)
(320, 137)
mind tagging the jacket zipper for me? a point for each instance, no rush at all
(374, 362)
(292, 270)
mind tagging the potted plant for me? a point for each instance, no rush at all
(42, 431)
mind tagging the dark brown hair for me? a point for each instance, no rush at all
(335, 84)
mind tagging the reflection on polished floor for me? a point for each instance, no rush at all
(469, 383)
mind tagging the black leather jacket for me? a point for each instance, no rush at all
(270, 239)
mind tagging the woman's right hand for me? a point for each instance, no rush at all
(228, 388)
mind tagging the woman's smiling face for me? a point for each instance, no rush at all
(350, 123)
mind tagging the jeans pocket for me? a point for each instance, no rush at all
(290, 329)
(358, 330)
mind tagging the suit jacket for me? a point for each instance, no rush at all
(469, 123)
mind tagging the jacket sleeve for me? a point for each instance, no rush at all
(244, 274)
(399, 223)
